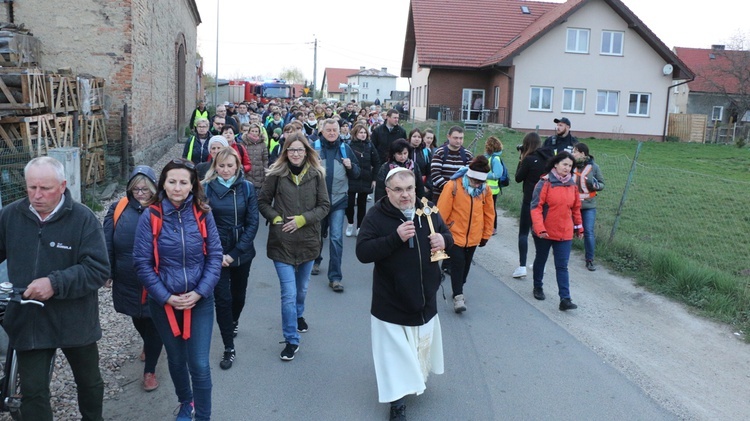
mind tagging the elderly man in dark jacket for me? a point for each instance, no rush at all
(55, 249)
(405, 329)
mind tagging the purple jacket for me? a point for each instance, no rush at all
(182, 265)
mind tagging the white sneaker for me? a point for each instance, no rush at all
(369, 198)
(520, 272)
(349, 230)
(459, 304)
(357, 234)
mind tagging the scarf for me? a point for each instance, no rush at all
(253, 139)
(226, 183)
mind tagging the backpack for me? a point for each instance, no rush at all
(461, 151)
(119, 209)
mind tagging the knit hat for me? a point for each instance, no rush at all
(277, 131)
(220, 139)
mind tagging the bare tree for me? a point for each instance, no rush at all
(730, 70)
(292, 75)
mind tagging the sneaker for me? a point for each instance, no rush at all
(149, 382)
(357, 234)
(539, 294)
(369, 198)
(567, 304)
(235, 328)
(184, 412)
(520, 272)
(349, 230)
(336, 286)
(288, 353)
(315, 270)
(301, 325)
(227, 359)
(590, 265)
(459, 305)
(398, 413)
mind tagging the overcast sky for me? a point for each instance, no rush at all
(255, 40)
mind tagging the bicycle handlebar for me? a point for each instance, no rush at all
(9, 293)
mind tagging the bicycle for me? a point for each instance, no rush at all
(10, 386)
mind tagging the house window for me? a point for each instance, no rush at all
(639, 104)
(364, 84)
(540, 99)
(612, 43)
(418, 97)
(364, 96)
(377, 91)
(574, 100)
(578, 41)
(424, 91)
(342, 97)
(606, 102)
(717, 113)
(497, 97)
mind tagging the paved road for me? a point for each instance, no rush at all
(504, 359)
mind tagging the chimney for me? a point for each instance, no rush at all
(718, 47)
(361, 68)
(384, 69)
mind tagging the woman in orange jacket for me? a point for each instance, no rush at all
(468, 209)
(555, 218)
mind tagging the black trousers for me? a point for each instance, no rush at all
(152, 343)
(360, 200)
(460, 258)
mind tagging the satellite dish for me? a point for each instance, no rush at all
(667, 69)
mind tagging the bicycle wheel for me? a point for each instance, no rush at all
(13, 385)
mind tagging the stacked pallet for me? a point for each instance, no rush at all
(42, 110)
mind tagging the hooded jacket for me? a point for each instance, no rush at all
(182, 265)
(337, 175)
(556, 208)
(530, 169)
(404, 280)
(369, 162)
(235, 211)
(69, 248)
(127, 291)
(470, 219)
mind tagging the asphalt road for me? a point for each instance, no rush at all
(504, 360)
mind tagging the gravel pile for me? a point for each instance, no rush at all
(120, 342)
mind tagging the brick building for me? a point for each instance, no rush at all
(146, 51)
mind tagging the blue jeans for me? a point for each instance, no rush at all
(523, 233)
(589, 242)
(293, 281)
(334, 223)
(189, 359)
(561, 254)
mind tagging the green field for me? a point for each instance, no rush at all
(684, 222)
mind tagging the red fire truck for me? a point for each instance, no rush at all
(247, 90)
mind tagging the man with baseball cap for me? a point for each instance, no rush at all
(562, 140)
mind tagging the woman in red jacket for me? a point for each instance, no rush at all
(228, 133)
(555, 218)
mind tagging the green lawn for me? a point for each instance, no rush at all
(684, 223)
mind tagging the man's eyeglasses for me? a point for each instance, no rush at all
(184, 162)
(141, 191)
(399, 190)
(295, 151)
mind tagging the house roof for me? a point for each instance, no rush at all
(716, 70)
(491, 32)
(373, 73)
(334, 76)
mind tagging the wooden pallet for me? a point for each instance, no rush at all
(93, 166)
(22, 90)
(62, 92)
(90, 94)
(36, 134)
(93, 130)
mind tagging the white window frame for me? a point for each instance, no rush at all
(576, 33)
(364, 84)
(720, 108)
(638, 111)
(607, 101)
(497, 97)
(569, 97)
(609, 47)
(542, 90)
(364, 96)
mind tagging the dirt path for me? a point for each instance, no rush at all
(696, 368)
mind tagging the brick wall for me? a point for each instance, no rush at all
(133, 44)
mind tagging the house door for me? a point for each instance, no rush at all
(472, 104)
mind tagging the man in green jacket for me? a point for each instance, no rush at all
(55, 250)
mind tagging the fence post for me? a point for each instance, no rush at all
(625, 192)
(124, 155)
(437, 133)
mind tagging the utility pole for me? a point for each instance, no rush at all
(216, 79)
(315, 68)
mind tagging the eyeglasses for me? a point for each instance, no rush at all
(399, 190)
(184, 162)
(296, 151)
(141, 191)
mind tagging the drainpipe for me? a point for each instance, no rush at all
(11, 18)
(666, 113)
(510, 97)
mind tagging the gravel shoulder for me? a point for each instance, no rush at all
(698, 369)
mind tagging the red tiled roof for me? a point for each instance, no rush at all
(715, 70)
(334, 76)
(491, 32)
